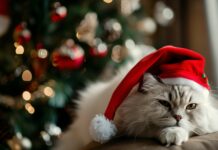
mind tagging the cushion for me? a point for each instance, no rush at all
(205, 142)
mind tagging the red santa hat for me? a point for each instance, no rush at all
(172, 64)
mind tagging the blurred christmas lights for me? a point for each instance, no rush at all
(46, 137)
(26, 95)
(30, 109)
(42, 53)
(116, 53)
(48, 91)
(26, 143)
(27, 75)
(130, 44)
(108, 1)
(163, 14)
(147, 25)
(113, 29)
(19, 50)
(129, 6)
(52, 129)
(99, 48)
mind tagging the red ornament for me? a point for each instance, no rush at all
(4, 8)
(59, 12)
(68, 57)
(100, 50)
(39, 62)
(4, 17)
(22, 34)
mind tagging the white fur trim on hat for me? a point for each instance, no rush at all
(101, 129)
(184, 81)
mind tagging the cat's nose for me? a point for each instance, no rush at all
(177, 117)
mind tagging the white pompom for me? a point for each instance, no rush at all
(102, 129)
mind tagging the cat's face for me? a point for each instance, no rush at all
(156, 105)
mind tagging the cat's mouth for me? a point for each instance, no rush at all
(178, 124)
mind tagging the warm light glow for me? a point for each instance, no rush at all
(130, 44)
(48, 91)
(70, 42)
(102, 47)
(19, 50)
(26, 95)
(46, 137)
(78, 35)
(108, 1)
(26, 143)
(53, 130)
(117, 26)
(42, 53)
(27, 75)
(29, 108)
(168, 13)
(62, 11)
(16, 44)
(116, 53)
(16, 146)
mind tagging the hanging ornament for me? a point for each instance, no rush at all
(85, 32)
(22, 34)
(113, 29)
(59, 12)
(68, 56)
(147, 26)
(4, 17)
(127, 7)
(99, 49)
(39, 62)
(163, 14)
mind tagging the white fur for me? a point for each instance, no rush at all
(96, 97)
(173, 135)
(184, 81)
(101, 129)
(94, 100)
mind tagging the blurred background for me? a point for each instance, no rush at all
(51, 49)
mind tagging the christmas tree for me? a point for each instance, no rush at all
(50, 49)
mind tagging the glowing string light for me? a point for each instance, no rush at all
(108, 1)
(27, 75)
(19, 50)
(30, 109)
(48, 91)
(26, 95)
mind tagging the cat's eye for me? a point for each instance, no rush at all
(191, 106)
(165, 103)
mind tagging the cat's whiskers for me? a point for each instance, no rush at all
(189, 126)
(166, 121)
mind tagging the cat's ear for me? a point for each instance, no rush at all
(149, 82)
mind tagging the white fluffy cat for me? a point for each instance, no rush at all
(170, 113)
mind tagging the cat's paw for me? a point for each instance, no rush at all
(173, 135)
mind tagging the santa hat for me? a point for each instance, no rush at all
(172, 64)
